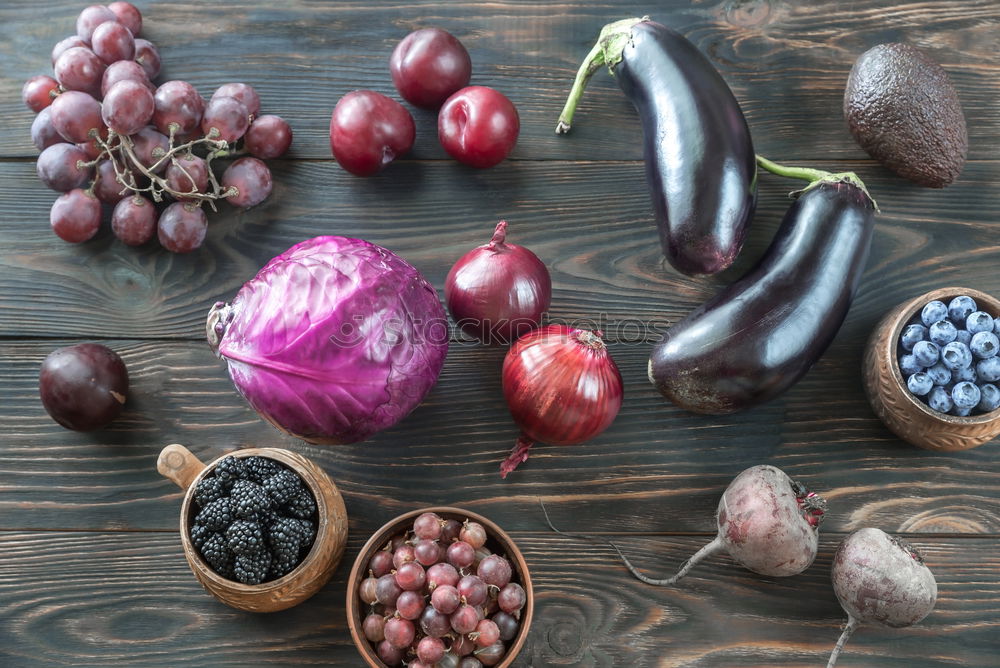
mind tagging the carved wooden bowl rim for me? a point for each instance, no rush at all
(903, 313)
(398, 525)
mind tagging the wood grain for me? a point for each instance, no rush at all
(590, 222)
(655, 469)
(787, 62)
(133, 601)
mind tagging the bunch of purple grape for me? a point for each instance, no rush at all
(101, 121)
(438, 596)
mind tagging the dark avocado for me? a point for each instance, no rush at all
(903, 110)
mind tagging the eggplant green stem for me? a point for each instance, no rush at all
(608, 51)
(815, 177)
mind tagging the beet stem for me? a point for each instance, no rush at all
(852, 625)
(709, 549)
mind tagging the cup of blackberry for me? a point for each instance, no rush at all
(262, 529)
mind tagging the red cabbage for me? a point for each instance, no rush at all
(333, 340)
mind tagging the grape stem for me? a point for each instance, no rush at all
(121, 151)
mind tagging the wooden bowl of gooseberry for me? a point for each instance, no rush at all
(182, 467)
(904, 414)
(496, 540)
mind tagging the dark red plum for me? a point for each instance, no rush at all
(428, 66)
(83, 387)
(478, 126)
(368, 131)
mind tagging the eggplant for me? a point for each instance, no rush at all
(699, 157)
(759, 336)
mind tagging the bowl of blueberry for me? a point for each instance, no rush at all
(263, 529)
(932, 369)
(441, 587)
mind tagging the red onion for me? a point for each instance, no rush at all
(498, 291)
(561, 386)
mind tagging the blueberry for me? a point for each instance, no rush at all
(920, 384)
(996, 324)
(989, 369)
(912, 335)
(908, 365)
(964, 373)
(980, 321)
(960, 412)
(984, 344)
(933, 312)
(940, 400)
(955, 355)
(943, 332)
(989, 399)
(965, 395)
(960, 308)
(964, 336)
(927, 353)
(939, 373)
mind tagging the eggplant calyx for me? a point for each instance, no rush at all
(215, 326)
(608, 51)
(816, 177)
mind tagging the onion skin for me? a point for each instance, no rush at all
(561, 386)
(498, 291)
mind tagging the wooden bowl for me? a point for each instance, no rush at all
(908, 417)
(496, 539)
(180, 465)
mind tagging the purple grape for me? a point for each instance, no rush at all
(121, 71)
(473, 589)
(75, 216)
(252, 180)
(79, 68)
(39, 91)
(446, 599)
(182, 227)
(68, 43)
(242, 92)
(43, 132)
(127, 107)
(90, 18)
(75, 114)
(492, 655)
(387, 591)
(269, 137)
(507, 624)
(149, 146)
(494, 570)
(134, 220)
(225, 119)
(182, 170)
(374, 628)
(112, 42)
(512, 598)
(400, 632)
(59, 168)
(178, 106)
(106, 186)
(434, 623)
(147, 55)
(465, 619)
(389, 655)
(128, 15)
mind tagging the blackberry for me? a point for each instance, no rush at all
(308, 532)
(217, 515)
(302, 505)
(229, 470)
(252, 568)
(283, 486)
(283, 565)
(244, 537)
(217, 553)
(208, 490)
(285, 538)
(259, 469)
(249, 499)
(199, 534)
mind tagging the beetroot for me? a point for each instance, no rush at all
(880, 579)
(767, 522)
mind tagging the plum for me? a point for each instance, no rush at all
(880, 579)
(768, 523)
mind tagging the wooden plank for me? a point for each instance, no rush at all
(94, 599)
(786, 62)
(656, 469)
(590, 222)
